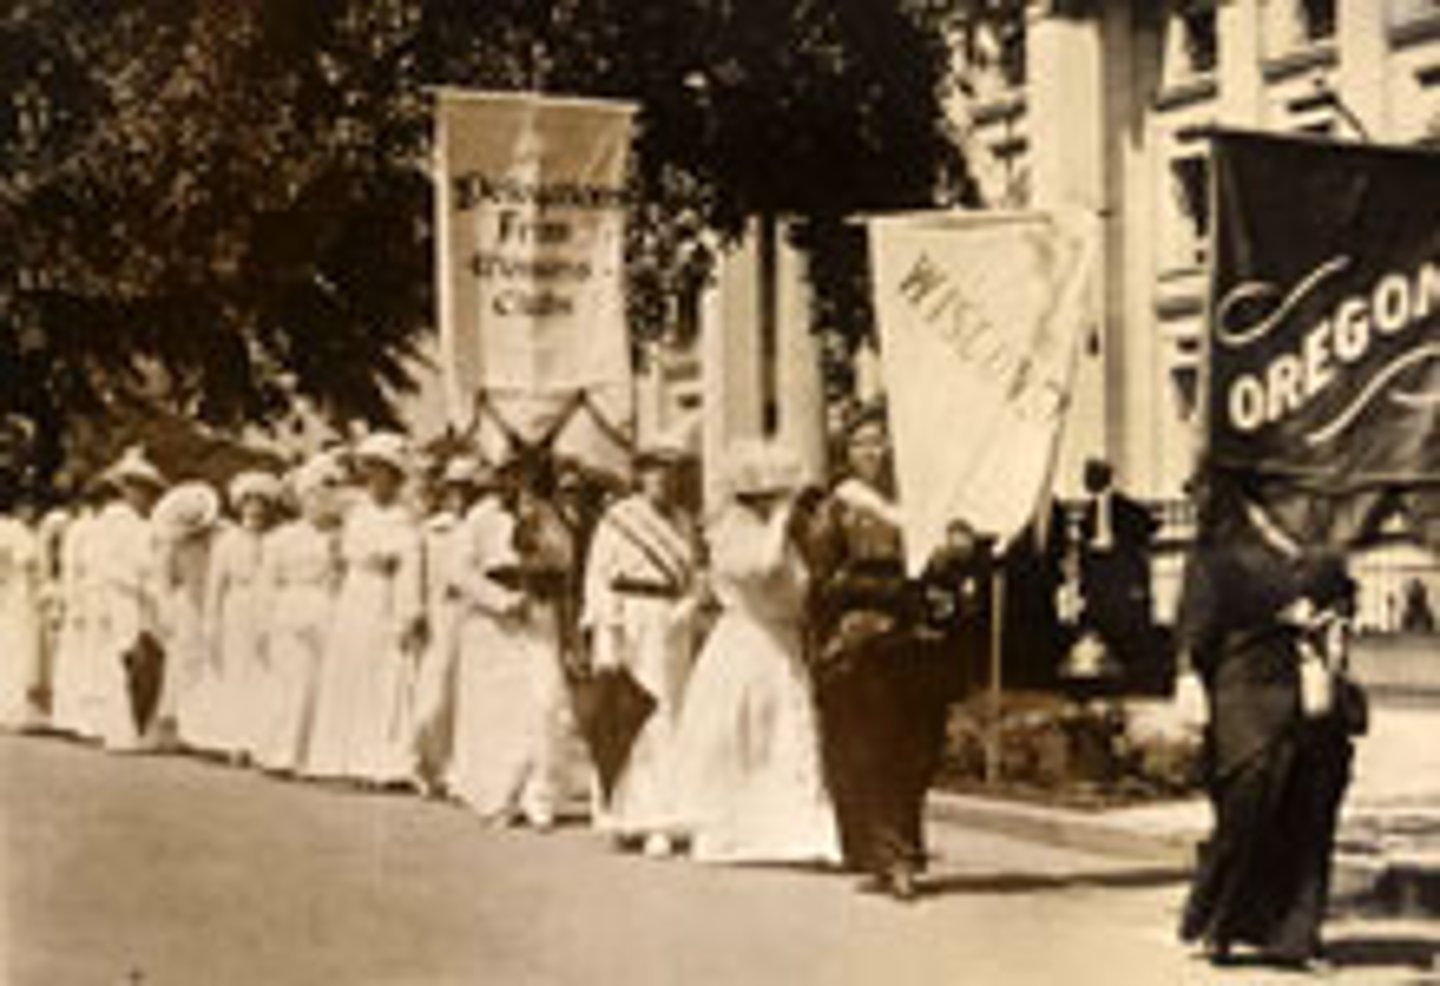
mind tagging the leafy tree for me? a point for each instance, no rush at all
(227, 205)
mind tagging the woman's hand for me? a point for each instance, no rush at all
(1191, 702)
(608, 643)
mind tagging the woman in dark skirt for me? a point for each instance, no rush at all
(1275, 774)
(880, 694)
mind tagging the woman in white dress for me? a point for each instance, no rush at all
(50, 531)
(236, 685)
(298, 581)
(19, 623)
(464, 479)
(639, 614)
(184, 522)
(73, 673)
(752, 788)
(364, 717)
(510, 688)
(120, 564)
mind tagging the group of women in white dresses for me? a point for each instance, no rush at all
(729, 761)
(353, 640)
(238, 613)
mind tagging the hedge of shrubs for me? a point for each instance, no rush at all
(1095, 753)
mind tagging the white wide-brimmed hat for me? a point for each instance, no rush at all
(466, 470)
(185, 510)
(317, 472)
(672, 445)
(134, 467)
(386, 447)
(255, 483)
(755, 467)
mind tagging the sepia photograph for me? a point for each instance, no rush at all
(719, 492)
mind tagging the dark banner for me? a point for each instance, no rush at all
(1325, 319)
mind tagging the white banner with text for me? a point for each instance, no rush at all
(530, 243)
(980, 318)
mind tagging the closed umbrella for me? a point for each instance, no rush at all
(145, 676)
(611, 708)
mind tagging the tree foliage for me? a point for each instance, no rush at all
(227, 204)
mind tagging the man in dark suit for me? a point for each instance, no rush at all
(1117, 536)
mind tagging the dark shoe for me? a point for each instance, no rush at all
(626, 843)
(1218, 954)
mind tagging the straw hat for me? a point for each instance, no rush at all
(255, 483)
(387, 447)
(316, 472)
(185, 510)
(671, 446)
(134, 467)
(756, 468)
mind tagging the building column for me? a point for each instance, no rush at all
(1066, 112)
(1364, 50)
(1242, 87)
(649, 396)
(737, 383)
(731, 360)
(800, 385)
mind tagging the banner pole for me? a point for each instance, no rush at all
(996, 685)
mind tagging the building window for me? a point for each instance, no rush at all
(1190, 183)
(1185, 358)
(1199, 35)
(1317, 19)
(1012, 50)
(1299, 38)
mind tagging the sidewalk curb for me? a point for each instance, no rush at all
(1396, 885)
(1065, 827)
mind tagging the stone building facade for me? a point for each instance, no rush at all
(1105, 107)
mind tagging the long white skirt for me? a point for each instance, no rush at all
(185, 668)
(657, 652)
(748, 760)
(72, 676)
(435, 695)
(77, 700)
(363, 717)
(295, 651)
(510, 720)
(238, 683)
(19, 654)
(116, 628)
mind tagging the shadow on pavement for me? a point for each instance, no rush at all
(1370, 951)
(1026, 883)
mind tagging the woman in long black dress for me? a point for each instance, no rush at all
(881, 693)
(1275, 774)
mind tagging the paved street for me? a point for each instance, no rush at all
(170, 871)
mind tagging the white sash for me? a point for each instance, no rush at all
(662, 545)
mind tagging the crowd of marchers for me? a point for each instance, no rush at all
(760, 684)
